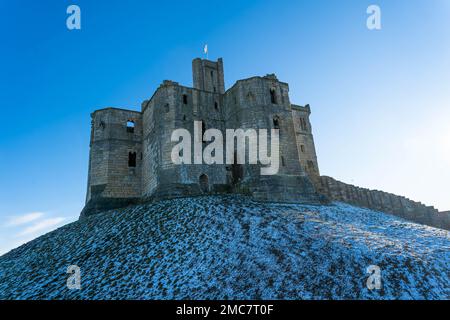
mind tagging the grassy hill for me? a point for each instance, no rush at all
(230, 247)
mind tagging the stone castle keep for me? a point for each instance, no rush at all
(130, 151)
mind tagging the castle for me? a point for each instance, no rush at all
(130, 151)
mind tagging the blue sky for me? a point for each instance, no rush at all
(380, 99)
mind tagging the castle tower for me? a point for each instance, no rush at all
(305, 141)
(263, 103)
(114, 177)
(208, 75)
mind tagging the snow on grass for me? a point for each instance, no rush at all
(230, 247)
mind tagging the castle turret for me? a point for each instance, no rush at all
(263, 103)
(114, 177)
(305, 141)
(208, 75)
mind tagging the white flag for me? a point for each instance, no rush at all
(206, 49)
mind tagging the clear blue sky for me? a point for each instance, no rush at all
(380, 99)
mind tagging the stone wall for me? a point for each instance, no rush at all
(177, 107)
(385, 202)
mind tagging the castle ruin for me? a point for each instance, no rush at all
(130, 151)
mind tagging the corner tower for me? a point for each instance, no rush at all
(208, 75)
(305, 142)
(114, 177)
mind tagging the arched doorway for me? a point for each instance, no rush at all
(204, 183)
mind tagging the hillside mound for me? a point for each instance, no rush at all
(230, 247)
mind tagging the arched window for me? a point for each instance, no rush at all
(130, 126)
(276, 123)
(216, 105)
(131, 159)
(185, 99)
(302, 148)
(273, 96)
(167, 108)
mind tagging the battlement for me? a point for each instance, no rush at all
(305, 108)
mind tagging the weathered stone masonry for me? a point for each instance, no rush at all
(253, 103)
(386, 202)
(130, 151)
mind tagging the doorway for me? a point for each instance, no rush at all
(204, 183)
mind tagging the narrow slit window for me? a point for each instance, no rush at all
(273, 96)
(185, 99)
(132, 159)
(303, 124)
